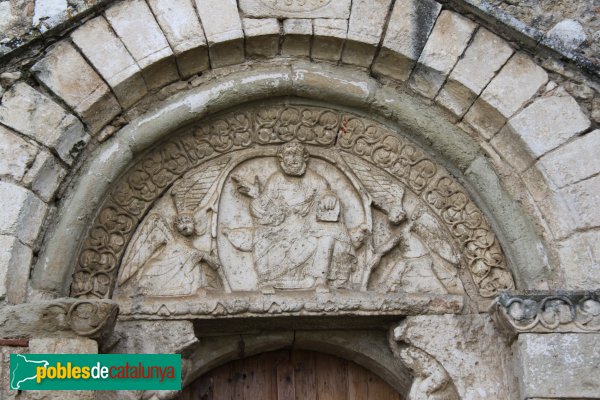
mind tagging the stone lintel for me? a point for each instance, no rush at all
(304, 303)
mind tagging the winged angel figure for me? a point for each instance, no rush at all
(425, 252)
(166, 261)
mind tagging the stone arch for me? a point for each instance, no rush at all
(502, 123)
(137, 137)
(78, 63)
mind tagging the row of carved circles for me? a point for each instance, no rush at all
(552, 312)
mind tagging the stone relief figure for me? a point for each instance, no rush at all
(298, 239)
(180, 261)
(425, 260)
(431, 381)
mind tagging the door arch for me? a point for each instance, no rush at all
(290, 375)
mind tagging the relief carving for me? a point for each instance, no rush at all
(285, 198)
(548, 312)
(295, 5)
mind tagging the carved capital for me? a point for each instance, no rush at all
(66, 317)
(545, 312)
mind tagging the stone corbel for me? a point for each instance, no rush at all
(547, 312)
(431, 380)
(64, 318)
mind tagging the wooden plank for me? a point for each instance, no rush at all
(332, 377)
(379, 389)
(224, 387)
(285, 381)
(304, 375)
(256, 379)
(357, 382)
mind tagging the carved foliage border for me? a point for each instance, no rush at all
(135, 193)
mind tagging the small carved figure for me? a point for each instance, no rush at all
(165, 263)
(425, 250)
(298, 238)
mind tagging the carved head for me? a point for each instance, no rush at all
(293, 158)
(184, 223)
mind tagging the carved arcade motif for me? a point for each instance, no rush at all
(284, 198)
(548, 312)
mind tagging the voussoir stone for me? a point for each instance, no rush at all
(516, 83)
(111, 59)
(329, 37)
(409, 27)
(297, 34)
(135, 24)
(296, 8)
(35, 115)
(544, 125)
(22, 213)
(181, 26)
(486, 54)
(223, 27)
(448, 40)
(262, 37)
(64, 71)
(15, 262)
(367, 19)
(16, 154)
(44, 176)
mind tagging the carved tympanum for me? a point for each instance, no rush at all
(282, 198)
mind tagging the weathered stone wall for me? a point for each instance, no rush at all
(513, 117)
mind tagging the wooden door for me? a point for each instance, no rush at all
(290, 375)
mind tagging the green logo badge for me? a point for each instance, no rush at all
(95, 372)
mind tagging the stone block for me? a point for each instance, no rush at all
(478, 361)
(548, 122)
(181, 26)
(22, 213)
(559, 365)
(296, 8)
(65, 72)
(448, 40)
(111, 59)
(16, 155)
(552, 206)
(44, 176)
(297, 34)
(573, 161)
(15, 262)
(135, 24)
(486, 54)
(409, 26)
(33, 114)
(583, 199)
(518, 81)
(579, 258)
(63, 345)
(223, 28)
(329, 36)
(167, 336)
(367, 19)
(262, 37)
